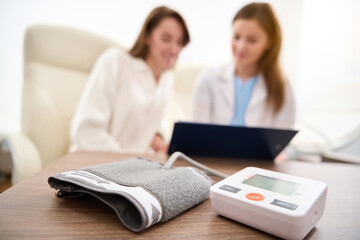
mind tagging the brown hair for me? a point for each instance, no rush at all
(269, 63)
(140, 49)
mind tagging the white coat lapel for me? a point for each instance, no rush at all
(255, 111)
(226, 86)
(259, 93)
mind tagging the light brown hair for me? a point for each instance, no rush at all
(140, 49)
(268, 64)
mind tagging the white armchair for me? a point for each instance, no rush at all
(181, 104)
(57, 62)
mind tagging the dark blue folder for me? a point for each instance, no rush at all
(229, 141)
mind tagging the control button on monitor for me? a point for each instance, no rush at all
(230, 188)
(283, 204)
(255, 196)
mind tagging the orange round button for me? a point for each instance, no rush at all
(255, 196)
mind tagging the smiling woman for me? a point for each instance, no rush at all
(161, 39)
(126, 95)
(165, 44)
(251, 90)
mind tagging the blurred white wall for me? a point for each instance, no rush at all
(329, 47)
(314, 54)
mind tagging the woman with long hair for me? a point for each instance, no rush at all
(250, 91)
(126, 95)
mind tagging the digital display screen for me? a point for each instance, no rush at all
(272, 184)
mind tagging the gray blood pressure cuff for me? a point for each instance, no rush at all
(140, 191)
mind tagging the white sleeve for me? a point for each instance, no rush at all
(91, 123)
(166, 123)
(202, 99)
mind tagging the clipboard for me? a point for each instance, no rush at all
(213, 140)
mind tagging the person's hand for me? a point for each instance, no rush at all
(281, 158)
(159, 145)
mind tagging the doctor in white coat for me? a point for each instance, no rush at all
(125, 98)
(250, 91)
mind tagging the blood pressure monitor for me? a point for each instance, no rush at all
(280, 204)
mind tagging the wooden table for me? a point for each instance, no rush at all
(30, 209)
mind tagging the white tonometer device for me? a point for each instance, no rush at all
(280, 204)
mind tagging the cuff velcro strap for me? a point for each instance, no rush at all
(140, 191)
